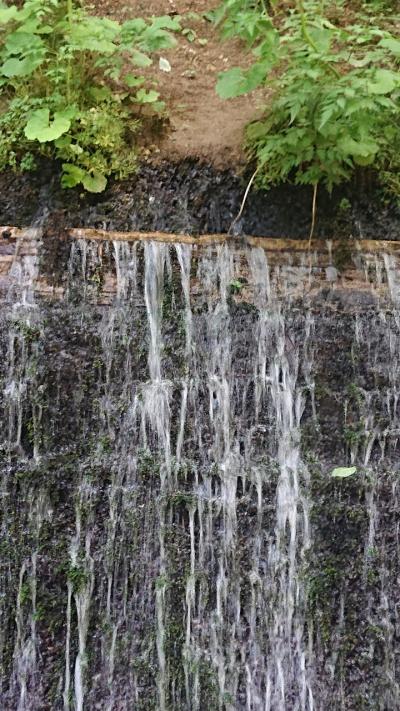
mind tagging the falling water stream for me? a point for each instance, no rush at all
(171, 535)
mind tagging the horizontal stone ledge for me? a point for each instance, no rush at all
(270, 244)
(10, 234)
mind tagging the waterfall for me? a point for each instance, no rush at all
(172, 537)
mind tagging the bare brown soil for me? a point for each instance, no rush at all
(201, 125)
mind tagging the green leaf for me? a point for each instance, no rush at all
(139, 59)
(7, 14)
(95, 34)
(326, 115)
(146, 97)
(39, 126)
(15, 67)
(154, 39)
(343, 472)
(95, 182)
(365, 160)
(236, 82)
(236, 285)
(363, 149)
(132, 80)
(166, 22)
(65, 142)
(384, 82)
(257, 130)
(189, 34)
(23, 42)
(72, 175)
(321, 37)
(132, 28)
(158, 106)
(392, 44)
(100, 93)
(230, 83)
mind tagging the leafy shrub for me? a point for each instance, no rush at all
(71, 88)
(335, 91)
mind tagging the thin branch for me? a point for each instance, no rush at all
(314, 213)
(238, 216)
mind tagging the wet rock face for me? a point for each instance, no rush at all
(171, 535)
(196, 198)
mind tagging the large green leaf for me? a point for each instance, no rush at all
(363, 149)
(236, 82)
(14, 67)
(84, 42)
(95, 182)
(95, 34)
(72, 175)
(154, 39)
(343, 472)
(384, 81)
(132, 80)
(321, 37)
(42, 129)
(146, 97)
(392, 44)
(23, 43)
(7, 13)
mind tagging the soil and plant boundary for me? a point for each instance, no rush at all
(193, 64)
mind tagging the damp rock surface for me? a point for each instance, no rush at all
(194, 197)
(172, 537)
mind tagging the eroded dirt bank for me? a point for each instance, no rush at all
(201, 125)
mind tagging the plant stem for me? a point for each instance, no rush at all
(309, 39)
(70, 11)
(238, 216)
(314, 213)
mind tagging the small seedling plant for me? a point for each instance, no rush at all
(72, 88)
(333, 89)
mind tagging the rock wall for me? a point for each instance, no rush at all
(172, 537)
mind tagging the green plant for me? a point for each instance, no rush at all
(77, 576)
(344, 205)
(335, 91)
(161, 582)
(25, 593)
(247, 19)
(182, 498)
(236, 286)
(71, 88)
(343, 472)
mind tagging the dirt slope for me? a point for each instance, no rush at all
(202, 125)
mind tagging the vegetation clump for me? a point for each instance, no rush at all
(334, 89)
(72, 88)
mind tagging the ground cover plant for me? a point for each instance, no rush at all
(333, 81)
(72, 88)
